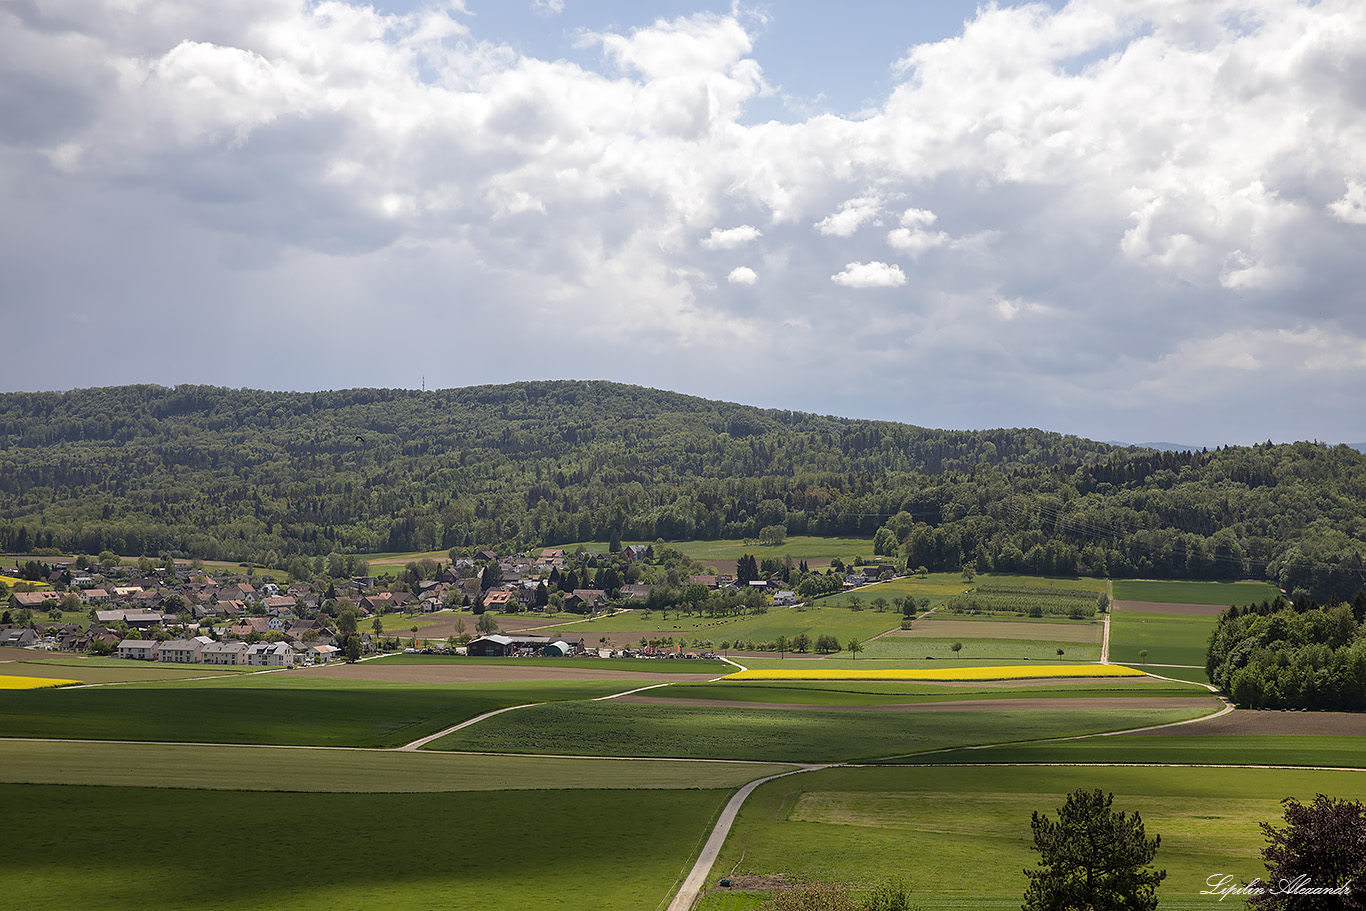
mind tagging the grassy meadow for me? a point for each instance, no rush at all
(962, 837)
(844, 624)
(1175, 592)
(1168, 638)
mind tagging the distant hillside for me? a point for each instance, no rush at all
(266, 476)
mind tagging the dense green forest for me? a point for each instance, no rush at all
(1280, 655)
(265, 476)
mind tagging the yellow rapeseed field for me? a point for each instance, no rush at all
(1013, 672)
(31, 683)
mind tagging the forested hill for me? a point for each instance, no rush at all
(212, 472)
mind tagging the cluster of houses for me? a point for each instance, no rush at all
(131, 614)
(239, 612)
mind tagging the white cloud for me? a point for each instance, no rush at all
(1177, 183)
(742, 275)
(918, 218)
(1351, 208)
(548, 7)
(915, 242)
(851, 216)
(870, 275)
(730, 238)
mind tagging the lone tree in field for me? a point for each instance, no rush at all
(1092, 858)
(1323, 845)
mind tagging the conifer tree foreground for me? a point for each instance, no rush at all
(1092, 859)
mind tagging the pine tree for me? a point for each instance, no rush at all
(1092, 858)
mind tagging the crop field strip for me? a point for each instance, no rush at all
(1025, 601)
(344, 851)
(1214, 593)
(266, 768)
(878, 692)
(271, 709)
(1168, 638)
(768, 735)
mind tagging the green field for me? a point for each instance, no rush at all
(772, 735)
(842, 623)
(962, 837)
(891, 692)
(1168, 638)
(1231, 749)
(999, 650)
(501, 851)
(1222, 593)
(270, 709)
(259, 768)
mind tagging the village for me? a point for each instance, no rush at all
(177, 612)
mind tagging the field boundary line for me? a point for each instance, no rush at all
(639, 689)
(423, 741)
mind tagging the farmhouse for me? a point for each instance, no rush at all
(18, 637)
(31, 600)
(589, 598)
(502, 646)
(138, 619)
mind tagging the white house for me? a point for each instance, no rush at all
(225, 653)
(182, 651)
(141, 649)
(270, 654)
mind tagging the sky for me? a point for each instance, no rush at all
(1135, 220)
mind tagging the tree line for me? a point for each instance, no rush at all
(267, 477)
(1292, 655)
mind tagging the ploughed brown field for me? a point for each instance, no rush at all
(1250, 721)
(1154, 607)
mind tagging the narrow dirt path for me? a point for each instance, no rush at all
(701, 869)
